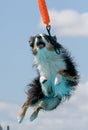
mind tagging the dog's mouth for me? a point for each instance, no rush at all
(40, 45)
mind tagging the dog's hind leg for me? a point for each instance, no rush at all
(48, 103)
(23, 111)
(36, 111)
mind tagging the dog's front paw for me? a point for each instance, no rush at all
(43, 79)
(57, 79)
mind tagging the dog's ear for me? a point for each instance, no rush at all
(31, 41)
(55, 38)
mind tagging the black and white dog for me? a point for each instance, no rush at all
(57, 75)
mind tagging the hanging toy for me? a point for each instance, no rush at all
(57, 74)
(44, 14)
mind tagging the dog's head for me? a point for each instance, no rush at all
(42, 41)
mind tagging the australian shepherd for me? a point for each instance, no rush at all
(57, 76)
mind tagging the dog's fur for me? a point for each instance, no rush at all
(57, 75)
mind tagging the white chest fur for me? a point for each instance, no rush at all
(49, 63)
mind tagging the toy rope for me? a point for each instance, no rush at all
(44, 14)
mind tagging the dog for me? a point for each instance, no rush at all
(57, 76)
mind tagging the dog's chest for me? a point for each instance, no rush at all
(49, 64)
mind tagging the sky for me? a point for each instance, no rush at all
(21, 19)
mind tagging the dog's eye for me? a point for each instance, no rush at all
(31, 42)
(31, 45)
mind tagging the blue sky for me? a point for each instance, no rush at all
(18, 21)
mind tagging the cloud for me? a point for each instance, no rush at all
(69, 22)
(8, 111)
(72, 114)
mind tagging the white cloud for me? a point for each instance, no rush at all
(69, 22)
(72, 114)
(8, 110)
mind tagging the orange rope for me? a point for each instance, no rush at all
(44, 12)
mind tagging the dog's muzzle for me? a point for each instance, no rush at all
(39, 42)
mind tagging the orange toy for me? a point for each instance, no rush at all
(44, 12)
